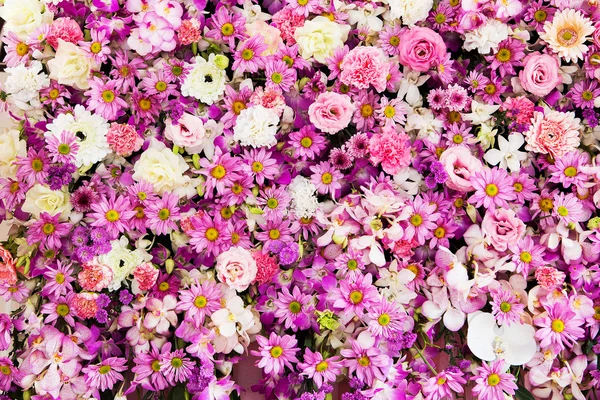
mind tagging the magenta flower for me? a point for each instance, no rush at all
(157, 83)
(98, 48)
(294, 309)
(274, 202)
(444, 385)
(559, 327)
(148, 371)
(234, 102)
(366, 359)
(326, 178)
(492, 382)
(207, 234)
(262, 165)
(48, 231)
(33, 168)
(248, 57)
(63, 148)
(320, 369)
(277, 352)
(307, 143)
(506, 308)
(175, 365)
(104, 375)
(162, 214)
(274, 230)
(568, 169)
(58, 280)
(59, 308)
(113, 214)
(199, 301)
(104, 99)
(527, 255)
(568, 209)
(227, 26)
(279, 75)
(493, 188)
(221, 172)
(422, 220)
(354, 296)
(9, 373)
(386, 319)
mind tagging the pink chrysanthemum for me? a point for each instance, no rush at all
(492, 382)
(199, 301)
(307, 143)
(163, 214)
(48, 231)
(444, 385)
(368, 363)
(506, 307)
(320, 369)
(422, 220)
(104, 99)
(326, 178)
(113, 214)
(276, 353)
(354, 297)
(106, 374)
(63, 148)
(493, 188)
(248, 57)
(559, 326)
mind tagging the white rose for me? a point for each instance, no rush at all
(319, 37)
(42, 199)
(71, 66)
(256, 126)
(24, 16)
(410, 11)
(161, 167)
(10, 147)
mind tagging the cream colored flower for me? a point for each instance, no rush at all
(40, 199)
(71, 66)
(319, 37)
(162, 168)
(270, 34)
(10, 147)
(567, 33)
(205, 82)
(24, 16)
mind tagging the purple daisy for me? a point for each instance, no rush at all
(307, 143)
(293, 309)
(34, 167)
(207, 233)
(274, 202)
(279, 75)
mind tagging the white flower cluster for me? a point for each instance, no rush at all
(24, 84)
(205, 82)
(304, 201)
(256, 126)
(122, 261)
(410, 11)
(487, 37)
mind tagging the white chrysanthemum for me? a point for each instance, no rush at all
(24, 84)
(91, 133)
(304, 201)
(256, 126)
(122, 261)
(410, 11)
(567, 33)
(487, 37)
(205, 82)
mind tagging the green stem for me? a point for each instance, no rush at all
(425, 359)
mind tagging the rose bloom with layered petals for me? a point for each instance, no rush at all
(421, 48)
(331, 112)
(237, 268)
(460, 165)
(8, 270)
(540, 74)
(503, 228)
(555, 133)
(188, 132)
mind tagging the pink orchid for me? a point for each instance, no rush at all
(157, 31)
(161, 314)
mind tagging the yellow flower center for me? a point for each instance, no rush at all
(96, 47)
(490, 88)
(356, 296)
(493, 379)
(302, 2)
(272, 203)
(276, 351)
(139, 212)
(352, 265)
(562, 211)
(62, 310)
(60, 278)
(453, 116)
(105, 369)
(567, 37)
(295, 307)
(457, 139)
(155, 365)
(364, 361)
(274, 234)
(5, 369)
(145, 104)
(322, 366)
(161, 86)
(226, 213)
(53, 94)
(306, 142)
(326, 178)
(570, 171)
(558, 326)
(439, 233)
(440, 18)
(112, 216)
(366, 110)
(505, 307)
(176, 362)
(37, 165)
(546, 205)
(491, 190)
(383, 320)
(64, 149)
(441, 381)
(458, 203)
(164, 286)
(200, 301)
(227, 29)
(211, 234)
(394, 41)
(238, 106)
(257, 166)
(108, 96)
(276, 77)
(49, 228)
(540, 16)
(247, 54)
(413, 268)
(164, 214)
(237, 188)
(288, 60)
(416, 220)
(587, 95)
(218, 172)
(518, 187)
(389, 111)
(503, 55)
(22, 49)
(525, 257)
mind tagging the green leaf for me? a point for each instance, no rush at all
(523, 394)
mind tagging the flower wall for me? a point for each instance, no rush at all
(395, 199)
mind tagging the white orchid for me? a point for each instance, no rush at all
(508, 156)
(480, 112)
(515, 344)
(409, 86)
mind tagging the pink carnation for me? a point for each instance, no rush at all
(549, 277)
(95, 276)
(66, 29)
(391, 149)
(123, 139)
(331, 112)
(189, 31)
(84, 304)
(266, 266)
(145, 275)
(520, 108)
(555, 133)
(364, 66)
(8, 270)
(286, 20)
(269, 98)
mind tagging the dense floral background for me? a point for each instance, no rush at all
(400, 196)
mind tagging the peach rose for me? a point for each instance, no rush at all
(460, 164)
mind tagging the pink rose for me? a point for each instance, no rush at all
(237, 268)
(502, 228)
(145, 276)
(331, 112)
(420, 48)
(540, 74)
(8, 270)
(364, 66)
(189, 132)
(555, 133)
(460, 164)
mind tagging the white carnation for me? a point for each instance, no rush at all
(122, 261)
(256, 126)
(487, 37)
(24, 84)
(91, 133)
(205, 82)
(304, 201)
(410, 11)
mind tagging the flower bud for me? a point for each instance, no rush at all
(221, 61)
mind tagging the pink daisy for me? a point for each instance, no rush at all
(559, 327)
(248, 57)
(492, 382)
(506, 307)
(113, 214)
(276, 353)
(48, 231)
(320, 369)
(162, 214)
(493, 188)
(326, 178)
(104, 99)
